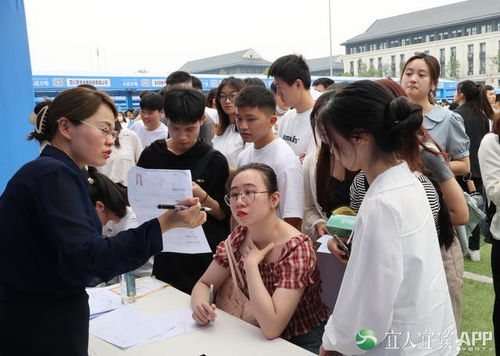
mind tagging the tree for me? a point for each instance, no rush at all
(452, 69)
(496, 61)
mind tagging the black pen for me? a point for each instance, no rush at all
(180, 207)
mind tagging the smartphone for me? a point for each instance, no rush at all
(342, 245)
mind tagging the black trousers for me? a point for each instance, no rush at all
(495, 269)
(45, 327)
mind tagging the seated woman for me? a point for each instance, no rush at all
(113, 211)
(278, 262)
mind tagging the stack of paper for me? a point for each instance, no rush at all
(128, 326)
(101, 300)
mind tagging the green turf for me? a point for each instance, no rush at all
(477, 303)
(482, 267)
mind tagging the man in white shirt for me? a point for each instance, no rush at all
(150, 128)
(293, 81)
(255, 119)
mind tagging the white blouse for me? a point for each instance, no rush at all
(122, 158)
(489, 162)
(394, 284)
(230, 144)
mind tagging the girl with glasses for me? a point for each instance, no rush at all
(272, 265)
(227, 140)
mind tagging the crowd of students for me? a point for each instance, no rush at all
(273, 165)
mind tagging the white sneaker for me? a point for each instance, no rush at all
(474, 255)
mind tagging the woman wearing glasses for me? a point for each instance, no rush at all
(278, 264)
(51, 245)
(227, 140)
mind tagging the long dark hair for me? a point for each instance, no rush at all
(476, 96)
(104, 190)
(368, 107)
(446, 231)
(235, 83)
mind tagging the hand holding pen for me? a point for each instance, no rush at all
(204, 313)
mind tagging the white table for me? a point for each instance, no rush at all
(227, 336)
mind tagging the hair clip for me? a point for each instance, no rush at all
(91, 181)
(40, 124)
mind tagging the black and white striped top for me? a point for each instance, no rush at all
(360, 185)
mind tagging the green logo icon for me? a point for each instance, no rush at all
(366, 339)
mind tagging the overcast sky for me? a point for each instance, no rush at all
(160, 35)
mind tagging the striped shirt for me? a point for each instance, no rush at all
(360, 185)
(295, 268)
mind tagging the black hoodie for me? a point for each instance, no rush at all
(179, 269)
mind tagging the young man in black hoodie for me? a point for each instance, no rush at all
(184, 110)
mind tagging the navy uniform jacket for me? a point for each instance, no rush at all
(50, 235)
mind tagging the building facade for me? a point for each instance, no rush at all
(464, 37)
(247, 61)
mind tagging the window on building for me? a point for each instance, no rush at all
(453, 62)
(442, 62)
(482, 58)
(470, 59)
(401, 62)
(453, 33)
(393, 66)
(445, 34)
(351, 67)
(379, 66)
(489, 28)
(427, 38)
(432, 37)
(482, 29)
(371, 63)
(474, 30)
(459, 33)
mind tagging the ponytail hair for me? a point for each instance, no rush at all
(76, 104)
(368, 107)
(109, 193)
(476, 95)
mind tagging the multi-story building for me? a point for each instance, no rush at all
(464, 37)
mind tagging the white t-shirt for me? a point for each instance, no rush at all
(295, 129)
(122, 158)
(148, 137)
(230, 144)
(289, 172)
(212, 113)
(129, 221)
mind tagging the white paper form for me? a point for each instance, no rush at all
(149, 187)
(323, 248)
(183, 322)
(102, 300)
(128, 326)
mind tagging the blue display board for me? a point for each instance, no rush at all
(16, 91)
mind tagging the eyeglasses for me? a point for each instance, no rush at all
(248, 197)
(231, 97)
(104, 130)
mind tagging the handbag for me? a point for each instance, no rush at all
(231, 298)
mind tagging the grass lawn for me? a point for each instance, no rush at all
(477, 304)
(484, 266)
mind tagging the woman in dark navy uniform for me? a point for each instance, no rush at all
(50, 236)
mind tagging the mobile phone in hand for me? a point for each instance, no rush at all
(342, 245)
